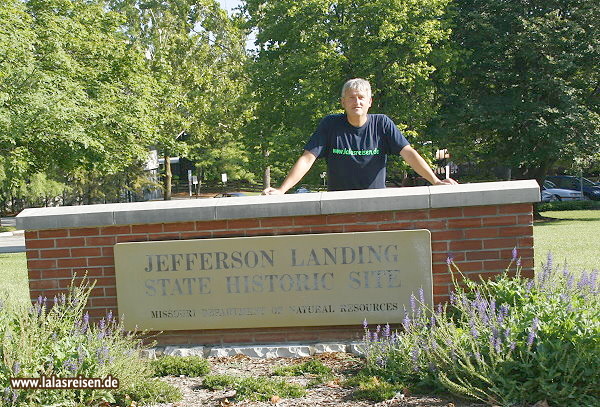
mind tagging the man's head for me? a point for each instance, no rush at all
(356, 100)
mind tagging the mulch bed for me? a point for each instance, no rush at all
(331, 393)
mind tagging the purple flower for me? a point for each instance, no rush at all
(421, 296)
(16, 368)
(414, 354)
(533, 331)
(406, 322)
(386, 331)
(365, 324)
(449, 259)
(413, 303)
(514, 253)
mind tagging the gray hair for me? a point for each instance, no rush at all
(361, 85)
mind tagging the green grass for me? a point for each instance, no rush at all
(13, 272)
(571, 236)
(7, 228)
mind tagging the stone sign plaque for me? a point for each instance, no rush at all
(272, 281)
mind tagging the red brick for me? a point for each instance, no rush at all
(469, 266)
(116, 230)
(211, 225)
(457, 245)
(442, 279)
(525, 219)
(270, 337)
(439, 247)
(108, 251)
(397, 226)
(447, 235)
(439, 268)
(195, 235)
(32, 254)
(483, 255)
(276, 222)
(441, 299)
(179, 227)
(110, 291)
(527, 273)
(79, 262)
(525, 241)
(360, 228)
(375, 217)
(310, 220)
(43, 284)
(34, 274)
(103, 302)
(464, 223)
(238, 338)
(445, 213)
(441, 290)
(55, 253)
(31, 234)
(516, 231)
(154, 228)
(430, 224)
(39, 244)
(57, 274)
(41, 264)
(131, 238)
(499, 243)
(243, 224)
(100, 241)
(84, 232)
(324, 229)
(44, 234)
(521, 252)
(347, 218)
(473, 211)
(164, 236)
(411, 215)
(100, 261)
(516, 208)
(500, 221)
(480, 233)
(70, 242)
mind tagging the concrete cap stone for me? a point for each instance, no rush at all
(373, 200)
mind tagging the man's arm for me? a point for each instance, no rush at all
(414, 159)
(300, 168)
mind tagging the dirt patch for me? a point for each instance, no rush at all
(332, 393)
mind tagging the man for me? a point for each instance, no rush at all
(355, 145)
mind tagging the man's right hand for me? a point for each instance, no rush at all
(272, 191)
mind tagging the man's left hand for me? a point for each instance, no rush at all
(447, 181)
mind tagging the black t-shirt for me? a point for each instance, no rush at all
(356, 156)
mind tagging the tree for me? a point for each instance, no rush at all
(194, 54)
(307, 50)
(526, 91)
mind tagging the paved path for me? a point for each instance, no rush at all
(11, 242)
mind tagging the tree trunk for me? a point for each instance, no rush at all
(168, 179)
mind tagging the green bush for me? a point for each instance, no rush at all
(55, 338)
(254, 388)
(567, 205)
(508, 341)
(314, 368)
(192, 366)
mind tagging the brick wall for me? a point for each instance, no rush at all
(480, 239)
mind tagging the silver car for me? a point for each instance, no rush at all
(550, 193)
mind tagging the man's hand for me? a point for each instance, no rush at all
(272, 191)
(447, 181)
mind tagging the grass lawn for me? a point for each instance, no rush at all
(571, 236)
(13, 272)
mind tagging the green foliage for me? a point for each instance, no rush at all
(192, 366)
(506, 341)
(254, 388)
(368, 387)
(307, 50)
(567, 205)
(53, 337)
(149, 391)
(314, 368)
(524, 93)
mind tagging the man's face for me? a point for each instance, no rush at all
(356, 103)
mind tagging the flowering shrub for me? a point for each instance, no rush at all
(506, 341)
(56, 338)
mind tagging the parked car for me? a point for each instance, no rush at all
(302, 190)
(591, 190)
(550, 193)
